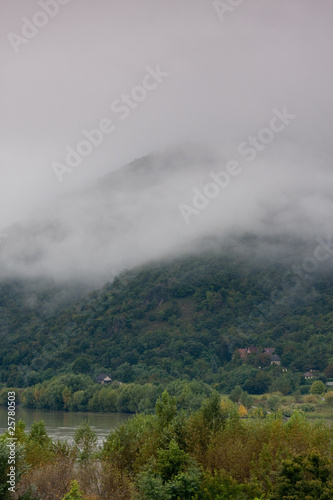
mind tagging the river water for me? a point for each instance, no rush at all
(62, 425)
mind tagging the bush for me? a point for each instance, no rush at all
(236, 394)
(273, 402)
(306, 476)
(329, 397)
(318, 387)
(311, 398)
(75, 493)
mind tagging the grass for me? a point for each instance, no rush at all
(323, 410)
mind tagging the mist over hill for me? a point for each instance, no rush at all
(158, 207)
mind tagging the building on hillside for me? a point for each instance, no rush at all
(275, 359)
(269, 350)
(103, 379)
(252, 350)
(255, 350)
(308, 374)
(242, 353)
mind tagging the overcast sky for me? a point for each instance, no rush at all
(223, 77)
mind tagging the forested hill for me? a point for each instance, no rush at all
(168, 320)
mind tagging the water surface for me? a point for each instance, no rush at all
(62, 425)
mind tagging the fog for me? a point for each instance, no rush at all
(223, 82)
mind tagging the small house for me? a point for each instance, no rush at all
(252, 350)
(103, 379)
(275, 359)
(269, 350)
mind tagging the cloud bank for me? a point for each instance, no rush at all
(225, 79)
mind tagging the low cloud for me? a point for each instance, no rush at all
(225, 79)
(132, 216)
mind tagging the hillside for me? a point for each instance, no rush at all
(172, 319)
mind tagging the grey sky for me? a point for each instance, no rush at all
(225, 78)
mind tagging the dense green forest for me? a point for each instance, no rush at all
(211, 453)
(177, 319)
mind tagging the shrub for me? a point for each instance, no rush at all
(242, 411)
(75, 493)
(236, 394)
(311, 398)
(318, 387)
(273, 402)
(329, 397)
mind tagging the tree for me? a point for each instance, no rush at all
(85, 439)
(242, 411)
(81, 365)
(329, 371)
(175, 475)
(38, 434)
(329, 397)
(318, 387)
(257, 383)
(213, 414)
(282, 384)
(4, 467)
(38, 445)
(304, 477)
(236, 393)
(75, 493)
(246, 400)
(273, 402)
(165, 409)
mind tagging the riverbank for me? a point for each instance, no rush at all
(63, 424)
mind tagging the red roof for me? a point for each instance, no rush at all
(252, 349)
(269, 350)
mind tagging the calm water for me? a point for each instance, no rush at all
(62, 425)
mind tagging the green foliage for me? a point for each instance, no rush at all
(166, 408)
(273, 402)
(284, 383)
(318, 387)
(4, 468)
(174, 475)
(176, 454)
(177, 319)
(306, 407)
(329, 397)
(75, 493)
(220, 486)
(86, 440)
(306, 476)
(81, 365)
(257, 383)
(125, 446)
(236, 394)
(38, 434)
(213, 414)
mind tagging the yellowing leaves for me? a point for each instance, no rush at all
(242, 411)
